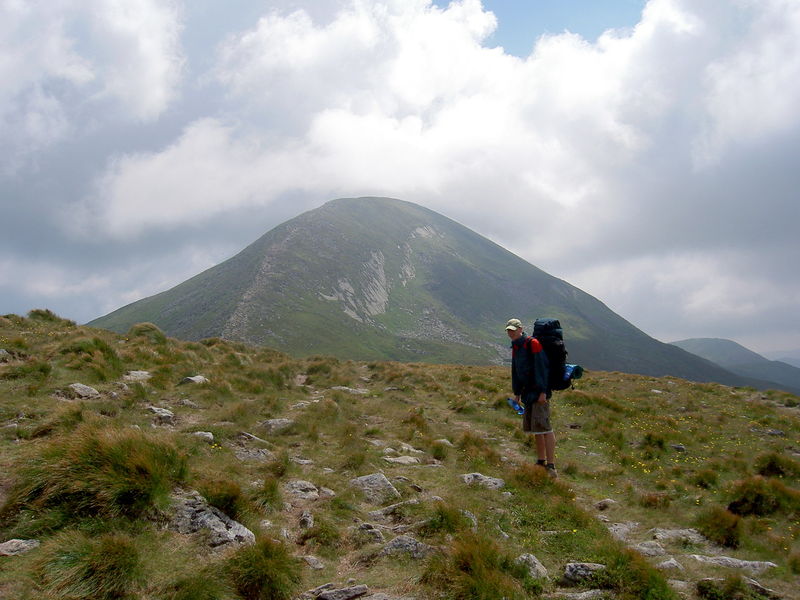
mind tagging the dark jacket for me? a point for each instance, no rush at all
(529, 367)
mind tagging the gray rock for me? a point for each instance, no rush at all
(302, 461)
(376, 488)
(277, 425)
(444, 442)
(347, 593)
(304, 490)
(651, 548)
(5, 355)
(587, 595)
(580, 572)
(349, 390)
(492, 483)
(680, 535)
(402, 460)
(192, 514)
(392, 509)
(678, 447)
(405, 544)
(314, 562)
(670, 565)
(137, 376)
(760, 589)
(16, 547)
(204, 435)
(326, 493)
(83, 391)
(372, 532)
(252, 454)
(196, 379)
(605, 504)
(472, 519)
(306, 520)
(162, 415)
(187, 403)
(734, 563)
(620, 531)
(535, 568)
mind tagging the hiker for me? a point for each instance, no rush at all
(529, 369)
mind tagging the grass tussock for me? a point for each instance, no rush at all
(76, 565)
(97, 471)
(264, 571)
(475, 568)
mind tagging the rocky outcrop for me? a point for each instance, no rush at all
(191, 514)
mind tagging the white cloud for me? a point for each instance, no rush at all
(62, 55)
(628, 148)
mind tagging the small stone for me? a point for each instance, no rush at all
(192, 514)
(205, 436)
(580, 572)
(276, 425)
(137, 376)
(404, 544)
(535, 568)
(620, 531)
(678, 447)
(83, 391)
(376, 488)
(691, 536)
(196, 379)
(162, 415)
(349, 390)
(306, 520)
(16, 547)
(326, 493)
(479, 479)
(651, 548)
(444, 442)
(314, 562)
(402, 460)
(605, 504)
(670, 565)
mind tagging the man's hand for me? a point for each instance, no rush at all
(542, 398)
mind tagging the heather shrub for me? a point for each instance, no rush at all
(763, 496)
(774, 464)
(721, 526)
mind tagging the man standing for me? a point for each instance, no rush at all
(529, 371)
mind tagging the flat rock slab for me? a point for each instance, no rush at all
(620, 531)
(276, 425)
(16, 547)
(137, 376)
(376, 488)
(587, 595)
(162, 415)
(347, 593)
(679, 535)
(651, 548)
(493, 483)
(192, 514)
(734, 563)
(83, 391)
(402, 460)
(304, 490)
(349, 390)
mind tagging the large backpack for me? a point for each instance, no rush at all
(551, 337)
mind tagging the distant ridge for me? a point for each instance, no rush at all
(379, 278)
(736, 358)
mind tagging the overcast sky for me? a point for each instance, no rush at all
(648, 152)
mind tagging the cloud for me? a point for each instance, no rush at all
(635, 167)
(62, 57)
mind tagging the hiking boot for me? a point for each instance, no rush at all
(551, 472)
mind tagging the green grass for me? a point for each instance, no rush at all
(95, 472)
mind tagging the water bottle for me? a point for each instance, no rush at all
(515, 406)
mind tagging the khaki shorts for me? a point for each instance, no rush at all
(537, 418)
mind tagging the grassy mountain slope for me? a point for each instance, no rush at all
(738, 359)
(90, 478)
(376, 278)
